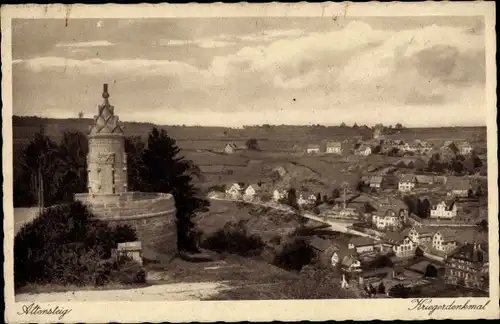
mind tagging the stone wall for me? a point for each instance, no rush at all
(152, 215)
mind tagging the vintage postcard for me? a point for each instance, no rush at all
(250, 162)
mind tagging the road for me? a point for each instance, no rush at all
(335, 226)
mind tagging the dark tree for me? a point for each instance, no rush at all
(292, 198)
(38, 173)
(398, 126)
(134, 147)
(73, 151)
(342, 124)
(252, 144)
(318, 199)
(335, 193)
(161, 169)
(381, 288)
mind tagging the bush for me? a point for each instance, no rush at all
(233, 238)
(295, 255)
(65, 245)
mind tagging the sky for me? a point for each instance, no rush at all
(418, 71)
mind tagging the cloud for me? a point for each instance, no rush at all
(85, 44)
(203, 43)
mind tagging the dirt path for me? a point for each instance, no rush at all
(172, 292)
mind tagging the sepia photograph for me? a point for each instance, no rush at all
(251, 157)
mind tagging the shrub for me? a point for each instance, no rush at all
(295, 255)
(65, 245)
(233, 238)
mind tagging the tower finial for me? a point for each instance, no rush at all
(105, 93)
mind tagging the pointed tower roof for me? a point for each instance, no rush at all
(106, 122)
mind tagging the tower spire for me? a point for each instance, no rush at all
(105, 93)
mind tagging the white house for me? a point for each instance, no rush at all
(401, 245)
(334, 147)
(251, 192)
(364, 150)
(313, 149)
(376, 181)
(444, 210)
(464, 148)
(406, 183)
(230, 148)
(459, 187)
(278, 194)
(421, 234)
(302, 201)
(311, 199)
(444, 241)
(234, 191)
(387, 220)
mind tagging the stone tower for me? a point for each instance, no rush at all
(106, 160)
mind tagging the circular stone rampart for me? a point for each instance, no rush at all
(152, 215)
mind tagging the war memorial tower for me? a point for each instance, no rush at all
(151, 214)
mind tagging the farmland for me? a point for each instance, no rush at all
(279, 146)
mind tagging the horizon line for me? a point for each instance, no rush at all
(262, 125)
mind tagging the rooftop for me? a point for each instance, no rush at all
(361, 241)
(472, 252)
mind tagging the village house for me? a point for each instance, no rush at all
(400, 244)
(232, 147)
(334, 147)
(468, 266)
(350, 263)
(388, 220)
(445, 210)
(325, 251)
(444, 241)
(251, 191)
(279, 195)
(340, 212)
(421, 234)
(361, 244)
(464, 148)
(459, 187)
(313, 149)
(376, 182)
(363, 150)
(301, 201)
(406, 183)
(234, 191)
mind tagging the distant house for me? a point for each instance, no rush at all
(230, 148)
(334, 147)
(444, 240)
(468, 266)
(406, 182)
(301, 201)
(325, 251)
(464, 148)
(400, 244)
(361, 244)
(445, 209)
(363, 150)
(278, 194)
(420, 235)
(376, 181)
(313, 149)
(251, 192)
(234, 191)
(459, 187)
(385, 220)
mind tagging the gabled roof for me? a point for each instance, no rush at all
(320, 244)
(424, 179)
(458, 183)
(361, 241)
(376, 179)
(424, 230)
(447, 234)
(469, 253)
(394, 237)
(313, 146)
(333, 144)
(407, 178)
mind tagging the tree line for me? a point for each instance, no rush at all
(59, 170)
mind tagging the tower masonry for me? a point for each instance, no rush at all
(151, 214)
(106, 160)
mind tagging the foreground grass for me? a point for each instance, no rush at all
(52, 288)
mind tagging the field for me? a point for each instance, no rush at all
(279, 146)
